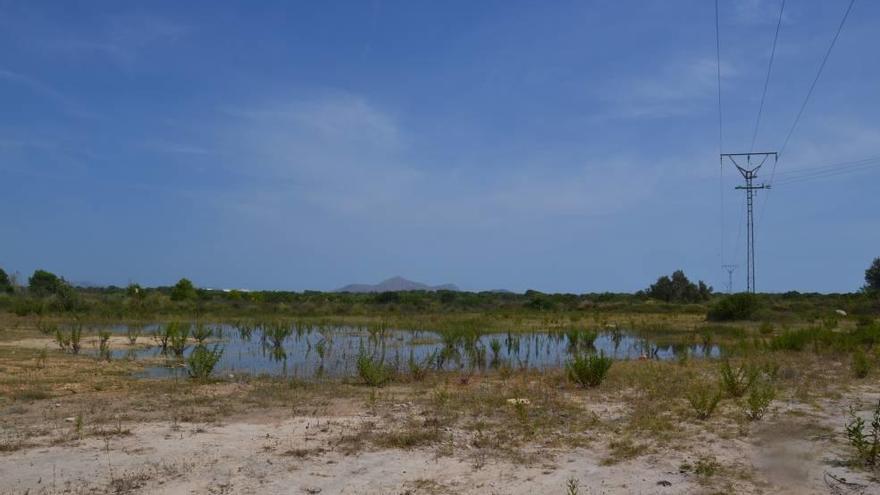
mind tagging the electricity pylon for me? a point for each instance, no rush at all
(749, 171)
(730, 269)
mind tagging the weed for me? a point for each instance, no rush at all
(736, 381)
(758, 401)
(201, 361)
(704, 398)
(866, 443)
(372, 371)
(572, 486)
(706, 467)
(588, 370)
(861, 365)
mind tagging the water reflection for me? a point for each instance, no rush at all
(305, 351)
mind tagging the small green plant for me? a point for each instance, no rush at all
(418, 370)
(104, 343)
(866, 443)
(201, 361)
(706, 467)
(161, 335)
(758, 401)
(588, 370)
(766, 328)
(736, 381)
(201, 332)
(495, 346)
(69, 339)
(133, 332)
(861, 365)
(704, 398)
(372, 371)
(572, 486)
(177, 336)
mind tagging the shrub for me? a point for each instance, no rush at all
(104, 343)
(201, 332)
(740, 306)
(792, 340)
(418, 370)
(588, 370)
(201, 361)
(69, 339)
(373, 372)
(759, 399)
(133, 332)
(736, 381)
(866, 443)
(177, 335)
(861, 365)
(704, 398)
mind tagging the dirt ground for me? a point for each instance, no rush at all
(88, 427)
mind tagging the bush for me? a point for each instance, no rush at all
(740, 306)
(373, 372)
(176, 335)
(736, 381)
(201, 361)
(792, 340)
(759, 399)
(704, 398)
(867, 444)
(588, 370)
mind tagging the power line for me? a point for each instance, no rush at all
(813, 85)
(720, 129)
(804, 104)
(767, 79)
(825, 172)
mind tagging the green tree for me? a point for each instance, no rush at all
(872, 276)
(43, 283)
(183, 290)
(5, 283)
(678, 288)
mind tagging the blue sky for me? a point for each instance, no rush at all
(564, 146)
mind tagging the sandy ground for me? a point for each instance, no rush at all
(303, 455)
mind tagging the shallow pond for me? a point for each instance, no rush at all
(310, 352)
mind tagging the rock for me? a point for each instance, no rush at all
(840, 312)
(515, 402)
(664, 483)
(71, 419)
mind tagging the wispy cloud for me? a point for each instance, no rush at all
(44, 90)
(675, 88)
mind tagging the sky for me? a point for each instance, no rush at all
(567, 146)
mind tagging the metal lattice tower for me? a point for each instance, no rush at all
(730, 269)
(749, 171)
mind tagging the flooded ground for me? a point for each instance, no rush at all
(332, 351)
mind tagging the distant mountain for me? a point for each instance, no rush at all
(395, 284)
